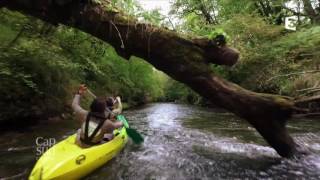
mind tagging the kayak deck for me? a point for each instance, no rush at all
(66, 160)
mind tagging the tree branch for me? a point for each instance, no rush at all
(309, 99)
(308, 89)
(291, 74)
(311, 13)
(293, 11)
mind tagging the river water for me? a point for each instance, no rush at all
(181, 142)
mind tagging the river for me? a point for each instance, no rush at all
(181, 142)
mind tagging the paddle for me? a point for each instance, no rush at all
(94, 96)
(132, 133)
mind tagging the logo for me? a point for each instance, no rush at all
(43, 144)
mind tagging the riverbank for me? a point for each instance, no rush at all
(23, 124)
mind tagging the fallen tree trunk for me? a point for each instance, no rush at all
(183, 59)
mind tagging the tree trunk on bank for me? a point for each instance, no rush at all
(183, 59)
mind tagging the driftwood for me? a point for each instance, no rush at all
(308, 100)
(312, 104)
(292, 74)
(308, 89)
(185, 60)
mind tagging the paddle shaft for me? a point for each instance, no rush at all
(91, 93)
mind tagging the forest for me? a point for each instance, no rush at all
(210, 89)
(46, 55)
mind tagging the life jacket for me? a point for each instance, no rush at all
(91, 128)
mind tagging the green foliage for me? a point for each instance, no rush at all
(41, 67)
(256, 29)
(217, 32)
(229, 9)
(296, 52)
(205, 10)
(274, 53)
(178, 92)
(153, 17)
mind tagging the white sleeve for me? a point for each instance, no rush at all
(118, 110)
(77, 108)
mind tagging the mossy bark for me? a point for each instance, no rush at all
(183, 59)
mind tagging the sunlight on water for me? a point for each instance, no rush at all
(164, 117)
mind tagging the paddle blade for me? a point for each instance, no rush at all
(134, 135)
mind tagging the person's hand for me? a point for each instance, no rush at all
(82, 89)
(113, 117)
(118, 99)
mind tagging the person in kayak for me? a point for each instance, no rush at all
(114, 105)
(94, 123)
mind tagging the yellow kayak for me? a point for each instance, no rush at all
(67, 161)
